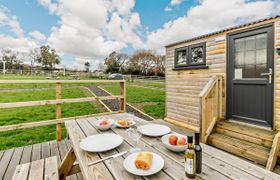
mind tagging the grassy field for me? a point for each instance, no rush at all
(37, 113)
(150, 101)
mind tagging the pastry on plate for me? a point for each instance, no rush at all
(143, 160)
(123, 122)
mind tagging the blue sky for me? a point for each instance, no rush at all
(90, 29)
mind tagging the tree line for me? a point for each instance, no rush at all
(142, 62)
(45, 56)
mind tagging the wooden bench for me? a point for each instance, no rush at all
(43, 169)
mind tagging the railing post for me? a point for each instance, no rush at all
(123, 98)
(58, 112)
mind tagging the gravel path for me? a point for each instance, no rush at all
(113, 104)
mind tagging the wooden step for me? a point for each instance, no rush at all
(242, 148)
(237, 135)
(257, 135)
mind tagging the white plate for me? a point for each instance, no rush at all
(154, 130)
(101, 142)
(132, 123)
(157, 165)
(177, 148)
(106, 127)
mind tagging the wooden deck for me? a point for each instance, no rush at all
(217, 164)
(10, 158)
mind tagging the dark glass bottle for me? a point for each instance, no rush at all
(190, 160)
(198, 153)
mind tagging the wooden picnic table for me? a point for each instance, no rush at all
(216, 163)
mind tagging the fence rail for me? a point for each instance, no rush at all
(59, 102)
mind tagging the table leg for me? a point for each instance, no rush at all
(66, 164)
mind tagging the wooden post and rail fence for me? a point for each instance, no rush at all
(59, 102)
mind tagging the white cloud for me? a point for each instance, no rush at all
(171, 4)
(79, 63)
(206, 18)
(93, 29)
(123, 7)
(175, 2)
(167, 9)
(11, 21)
(15, 40)
(37, 35)
(52, 7)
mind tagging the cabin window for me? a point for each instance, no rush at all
(189, 57)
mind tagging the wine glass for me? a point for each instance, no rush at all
(134, 134)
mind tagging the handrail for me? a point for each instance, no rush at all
(210, 106)
(59, 102)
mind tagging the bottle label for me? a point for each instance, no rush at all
(189, 166)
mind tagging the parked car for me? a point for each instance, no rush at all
(116, 76)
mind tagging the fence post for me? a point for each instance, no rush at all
(123, 94)
(58, 112)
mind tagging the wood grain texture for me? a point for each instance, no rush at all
(216, 62)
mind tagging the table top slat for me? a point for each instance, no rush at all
(216, 164)
(114, 165)
(171, 168)
(98, 171)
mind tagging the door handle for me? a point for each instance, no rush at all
(269, 74)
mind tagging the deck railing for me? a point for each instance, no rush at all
(59, 102)
(210, 106)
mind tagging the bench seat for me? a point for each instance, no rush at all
(43, 169)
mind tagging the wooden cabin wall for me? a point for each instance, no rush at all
(277, 77)
(183, 86)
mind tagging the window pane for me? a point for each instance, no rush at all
(182, 57)
(250, 43)
(260, 68)
(196, 55)
(239, 59)
(261, 41)
(261, 56)
(250, 56)
(239, 45)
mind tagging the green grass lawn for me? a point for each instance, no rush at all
(15, 138)
(149, 84)
(150, 101)
(24, 77)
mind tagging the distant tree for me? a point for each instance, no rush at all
(116, 62)
(143, 62)
(87, 66)
(159, 68)
(48, 57)
(12, 58)
(33, 54)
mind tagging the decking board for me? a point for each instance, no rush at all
(10, 158)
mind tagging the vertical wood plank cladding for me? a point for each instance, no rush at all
(185, 85)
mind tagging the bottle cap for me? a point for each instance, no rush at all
(190, 139)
